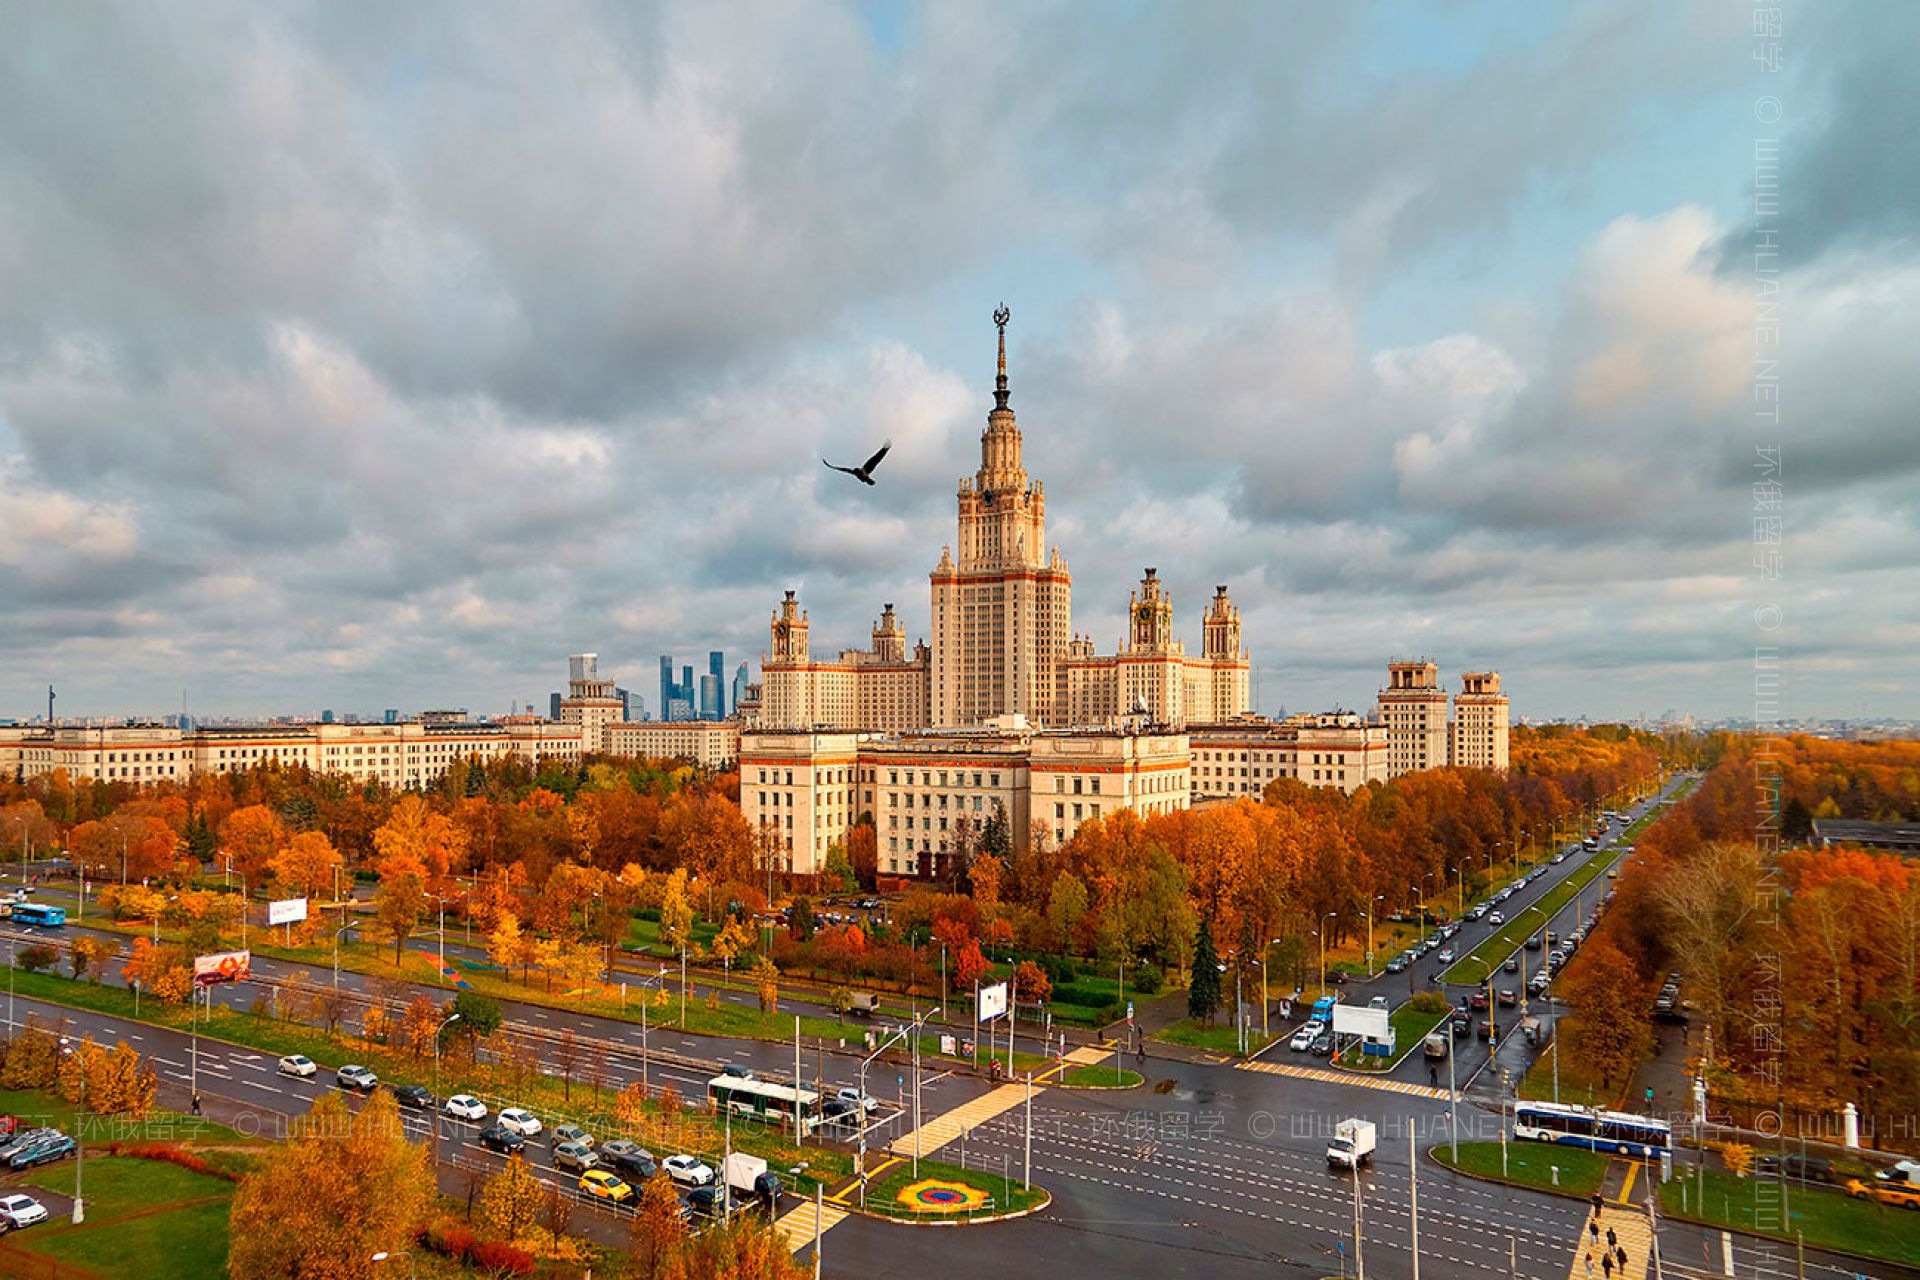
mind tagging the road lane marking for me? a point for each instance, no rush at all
(1341, 1077)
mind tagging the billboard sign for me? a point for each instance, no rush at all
(992, 1002)
(223, 966)
(1358, 1020)
(287, 911)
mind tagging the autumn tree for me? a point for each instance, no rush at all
(1032, 982)
(163, 971)
(89, 955)
(676, 911)
(510, 1203)
(344, 1187)
(658, 1233)
(969, 965)
(305, 866)
(1608, 1032)
(251, 836)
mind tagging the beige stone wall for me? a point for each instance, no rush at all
(710, 744)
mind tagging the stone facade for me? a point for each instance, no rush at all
(1478, 733)
(1413, 707)
(709, 744)
(1240, 757)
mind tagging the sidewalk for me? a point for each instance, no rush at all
(1628, 1225)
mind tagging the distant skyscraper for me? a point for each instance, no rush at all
(688, 689)
(666, 685)
(680, 709)
(393, 715)
(717, 668)
(326, 717)
(553, 706)
(710, 696)
(739, 687)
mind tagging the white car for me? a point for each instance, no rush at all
(464, 1106)
(688, 1171)
(21, 1211)
(1303, 1037)
(1446, 955)
(516, 1120)
(298, 1064)
(857, 1098)
(1496, 918)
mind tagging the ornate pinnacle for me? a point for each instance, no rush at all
(1000, 317)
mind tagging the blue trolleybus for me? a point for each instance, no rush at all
(1613, 1132)
(39, 913)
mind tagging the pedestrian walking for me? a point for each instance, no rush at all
(1595, 1201)
(196, 1104)
(1589, 1262)
(1612, 1242)
(1593, 1229)
(1433, 1075)
(1621, 1253)
(1606, 1265)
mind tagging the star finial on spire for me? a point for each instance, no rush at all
(1000, 317)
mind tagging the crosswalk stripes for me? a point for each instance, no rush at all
(942, 1129)
(1630, 1231)
(1343, 1077)
(797, 1226)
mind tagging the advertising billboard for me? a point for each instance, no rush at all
(1358, 1020)
(223, 966)
(287, 911)
(993, 1002)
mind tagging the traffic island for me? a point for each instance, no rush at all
(1098, 1077)
(947, 1195)
(1567, 1171)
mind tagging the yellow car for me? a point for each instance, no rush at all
(1906, 1195)
(602, 1185)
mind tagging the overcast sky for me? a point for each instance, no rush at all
(360, 355)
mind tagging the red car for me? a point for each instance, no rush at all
(1478, 999)
(9, 1125)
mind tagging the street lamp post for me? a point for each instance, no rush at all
(336, 949)
(1372, 909)
(451, 1019)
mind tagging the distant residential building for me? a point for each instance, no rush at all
(1413, 707)
(590, 702)
(710, 744)
(1898, 837)
(1477, 735)
(1240, 757)
(402, 754)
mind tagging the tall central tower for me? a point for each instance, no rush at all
(1001, 609)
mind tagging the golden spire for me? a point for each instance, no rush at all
(1000, 318)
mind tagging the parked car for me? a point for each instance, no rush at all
(297, 1064)
(575, 1156)
(520, 1121)
(1336, 978)
(1477, 912)
(352, 1076)
(1904, 1195)
(414, 1097)
(688, 1171)
(496, 1137)
(708, 1202)
(573, 1133)
(42, 1150)
(630, 1158)
(1379, 1002)
(464, 1106)
(599, 1184)
(1397, 965)
(20, 1211)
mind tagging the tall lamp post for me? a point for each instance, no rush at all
(451, 1019)
(351, 924)
(1370, 910)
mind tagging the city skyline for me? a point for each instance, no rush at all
(1482, 390)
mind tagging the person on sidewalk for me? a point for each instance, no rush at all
(1589, 1262)
(1593, 1230)
(1606, 1265)
(1612, 1242)
(1596, 1204)
(196, 1104)
(1621, 1253)
(1433, 1076)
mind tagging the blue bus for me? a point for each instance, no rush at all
(39, 913)
(1323, 1009)
(1615, 1132)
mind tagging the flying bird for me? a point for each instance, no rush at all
(864, 472)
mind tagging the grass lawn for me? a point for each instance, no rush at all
(1825, 1219)
(123, 1234)
(1531, 1164)
(1006, 1195)
(1099, 1077)
(1219, 1037)
(159, 1126)
(543, 1094)
(1410, 1027)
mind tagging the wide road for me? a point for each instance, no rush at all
(1209, 1172)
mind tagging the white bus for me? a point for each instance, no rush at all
(765, 1101)
(1616, 1132)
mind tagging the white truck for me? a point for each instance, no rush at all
(747, 1179)
(1352, 1145)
